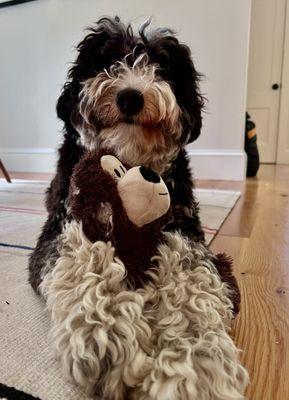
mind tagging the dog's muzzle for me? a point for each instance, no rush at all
(129, 101)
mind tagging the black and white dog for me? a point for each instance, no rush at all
(138, 95)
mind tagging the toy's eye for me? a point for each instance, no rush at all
(113, 166)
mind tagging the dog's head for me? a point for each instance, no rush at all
(136, 94)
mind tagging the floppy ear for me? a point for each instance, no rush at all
(185, 80)
(102, 46)
(177, 67)
(67, 101)
(188, 91)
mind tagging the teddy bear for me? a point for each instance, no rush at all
(137, 312)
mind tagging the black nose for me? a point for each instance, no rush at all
(149, 175)
(129, 101)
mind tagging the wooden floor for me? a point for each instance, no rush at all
(256, 234)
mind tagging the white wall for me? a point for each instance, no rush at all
(36, 46)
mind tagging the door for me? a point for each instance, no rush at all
(264, 73)
(283, 136)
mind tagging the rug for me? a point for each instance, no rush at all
(28, 369)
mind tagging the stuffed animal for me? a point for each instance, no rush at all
(137, 313)
(126, 206)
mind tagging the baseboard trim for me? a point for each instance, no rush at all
(36, 159)
(206, 164)
(218, 164)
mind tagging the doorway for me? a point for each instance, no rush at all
(266, 52)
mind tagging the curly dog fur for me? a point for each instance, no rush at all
(166, 341)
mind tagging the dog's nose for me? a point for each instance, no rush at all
(149, 175)
(129, 101)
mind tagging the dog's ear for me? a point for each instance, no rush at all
(188, 92)
(178, 68)
(66, 101)
(105, 43)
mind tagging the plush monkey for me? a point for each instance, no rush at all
(123, 205)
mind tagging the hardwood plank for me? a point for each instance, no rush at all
(261, 266)
(240, 222)
(36, 176)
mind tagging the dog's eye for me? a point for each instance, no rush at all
(113, 166)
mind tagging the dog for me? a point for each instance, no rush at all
(168, 338)
(140, 96)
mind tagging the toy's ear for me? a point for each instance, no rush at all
(113, 166)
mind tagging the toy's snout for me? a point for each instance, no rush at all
(144, 194)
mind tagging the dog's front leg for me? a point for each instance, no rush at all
(185, 210)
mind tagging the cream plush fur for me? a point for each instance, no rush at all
(143, 201)
(166, 341)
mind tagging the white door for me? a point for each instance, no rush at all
(283, 136)
(264, 73)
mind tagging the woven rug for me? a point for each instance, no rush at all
(28, 369)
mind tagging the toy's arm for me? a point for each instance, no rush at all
(185, 210)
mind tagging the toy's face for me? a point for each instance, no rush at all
(144, 194)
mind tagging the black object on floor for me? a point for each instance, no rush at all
(251, 147)
(10, 393)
